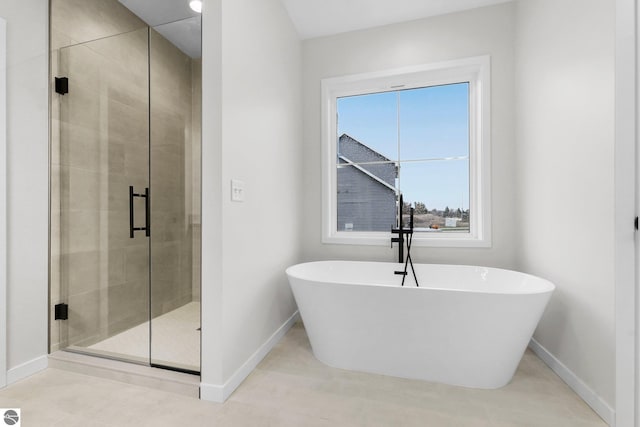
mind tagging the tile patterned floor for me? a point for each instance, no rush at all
(291, 388)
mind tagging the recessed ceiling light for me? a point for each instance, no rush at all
(196, 5)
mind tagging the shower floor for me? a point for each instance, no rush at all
(175, 339)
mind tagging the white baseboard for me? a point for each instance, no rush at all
(27, 369)
(212, 392)
(220, 393)
(596, 403)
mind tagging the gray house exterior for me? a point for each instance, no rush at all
(366, 192)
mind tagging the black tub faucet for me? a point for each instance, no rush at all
(401, 232)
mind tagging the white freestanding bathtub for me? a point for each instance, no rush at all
(464, 325)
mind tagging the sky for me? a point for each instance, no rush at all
(417, 126)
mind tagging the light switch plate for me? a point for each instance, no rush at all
(237, 190)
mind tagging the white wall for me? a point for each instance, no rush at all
(261, 132)
(3, 202)
(27, 185)
(259, 138)
(565, 148)
(484, 31)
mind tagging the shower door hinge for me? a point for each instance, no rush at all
(62, 311)
(62, 85)
(636, 223)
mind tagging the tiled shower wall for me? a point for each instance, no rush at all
(99, 147)
(171, 132)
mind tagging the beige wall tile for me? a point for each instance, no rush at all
(79, 21)
(136, 263)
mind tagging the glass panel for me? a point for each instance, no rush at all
(175, 88)
(434, 122)
(440, 192)
(104, 133)
(366, 200)
(372, 120)
(429, 127)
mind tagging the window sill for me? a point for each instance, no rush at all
(425, 240)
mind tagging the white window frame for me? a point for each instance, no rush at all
(477, 72)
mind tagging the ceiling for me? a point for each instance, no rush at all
(316, 18)
(312, 18)
(173, 19)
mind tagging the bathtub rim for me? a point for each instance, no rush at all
(541, 285)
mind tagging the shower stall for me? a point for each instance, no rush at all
(125, 182)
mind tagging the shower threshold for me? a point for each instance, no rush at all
(127, 372)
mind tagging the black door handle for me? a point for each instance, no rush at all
(147, 216)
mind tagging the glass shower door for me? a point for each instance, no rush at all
(174, 89)
(103, 203)
(126, 200)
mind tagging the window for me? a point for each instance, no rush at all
(421, 132)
